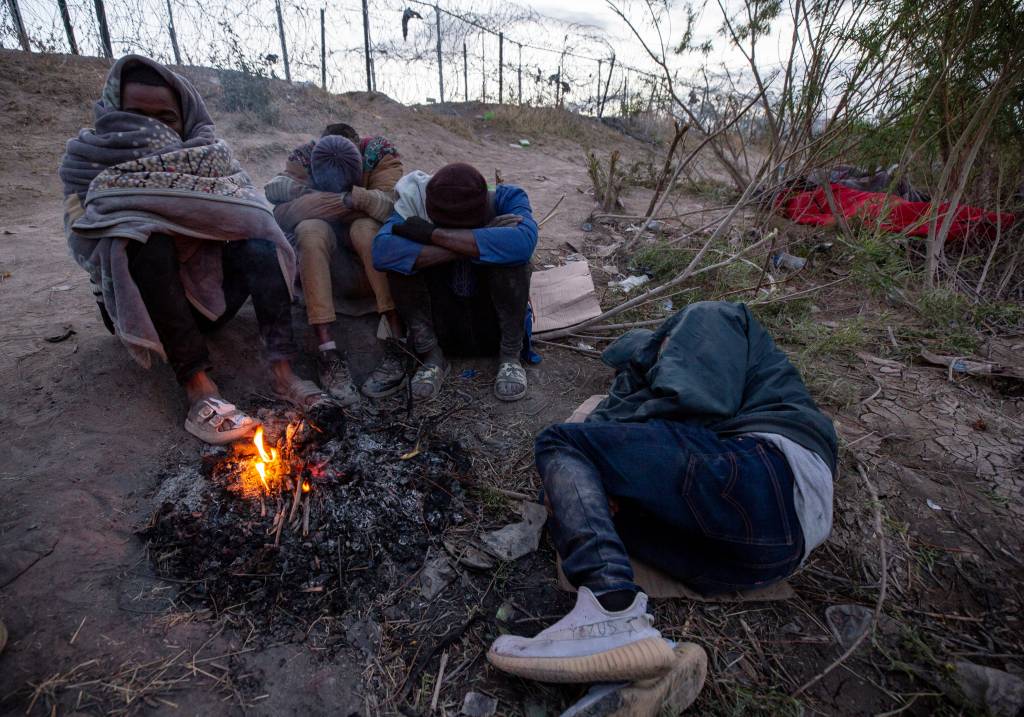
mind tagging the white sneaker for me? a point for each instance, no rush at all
(590, 644)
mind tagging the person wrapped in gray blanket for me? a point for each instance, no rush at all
(175, 238)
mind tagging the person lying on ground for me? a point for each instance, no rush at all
(319, 211)
(457, 258)
(175, 238)
(708, 461)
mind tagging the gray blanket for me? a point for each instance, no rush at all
(131, 177)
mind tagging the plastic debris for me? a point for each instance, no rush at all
(477, 704)
(437, 573)
(524, 143)
(468, 373)
(782, 260)
(587, 227)
(933, 505)
(631, 282)
(667, 305)
(518, 539)
(848, 622)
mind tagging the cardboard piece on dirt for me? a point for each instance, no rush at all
(656, 583)
(563, 296)
(659, 585)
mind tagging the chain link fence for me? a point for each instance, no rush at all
(495, 54)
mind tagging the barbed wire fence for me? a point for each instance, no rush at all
(412, 50)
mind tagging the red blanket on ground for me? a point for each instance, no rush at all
(898, 215)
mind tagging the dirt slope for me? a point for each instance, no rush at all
(85, 435)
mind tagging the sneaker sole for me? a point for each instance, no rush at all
(386, 394)
(670, 694)
(640, 660)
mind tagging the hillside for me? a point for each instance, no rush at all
(89, 438)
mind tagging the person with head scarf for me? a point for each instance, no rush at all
(333, 194)
(175, 238)
(458, 261)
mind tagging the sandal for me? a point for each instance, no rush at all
(216, 422)
(510, 383)
(427, 382)
(302, 394)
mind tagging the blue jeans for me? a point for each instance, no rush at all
(716, 514)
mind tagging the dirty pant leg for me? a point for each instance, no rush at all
(509, 288)
(580, 521)
(411, 295)
(715, 513)
(155, 269)
(316, 243)
(252, 268)
(361, 232)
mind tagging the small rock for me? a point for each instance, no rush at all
(477, 704)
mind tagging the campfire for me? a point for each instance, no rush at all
(306, 520)
(278, 477)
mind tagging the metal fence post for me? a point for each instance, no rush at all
(440, 64)
(284, 45)
(607, 82)
(173, 32)
(65, 16)
(101, 19)
(19, 25)
(465, 71)
(519, 74)
(483, 67)
(323, 50)
(501, 68)
(366, 46)
(597, 98)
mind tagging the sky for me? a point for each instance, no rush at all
(405, 68)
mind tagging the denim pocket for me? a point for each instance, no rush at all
(739, 496)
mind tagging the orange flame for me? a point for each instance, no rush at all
(258, 440)
(306, 487)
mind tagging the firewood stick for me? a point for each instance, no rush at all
(277, 533)
(296, 499)
(305, 518)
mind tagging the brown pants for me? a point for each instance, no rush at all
(317, 244)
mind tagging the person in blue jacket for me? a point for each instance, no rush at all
(457, 257)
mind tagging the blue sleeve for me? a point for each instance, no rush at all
(508, 245)
(394, 253)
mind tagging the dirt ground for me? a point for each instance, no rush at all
(85, 435)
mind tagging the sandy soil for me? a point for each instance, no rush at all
(85, 434)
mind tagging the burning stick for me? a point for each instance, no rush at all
(305, 518)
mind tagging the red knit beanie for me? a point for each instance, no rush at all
(457, 197)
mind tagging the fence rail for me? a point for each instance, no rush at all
(414, 51)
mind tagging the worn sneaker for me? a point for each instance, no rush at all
(335, 378)
(510, 383)
(389, 376)
(590, 644)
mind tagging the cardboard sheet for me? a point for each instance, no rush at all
(563, 296)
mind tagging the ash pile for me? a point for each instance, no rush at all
(336, 514)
